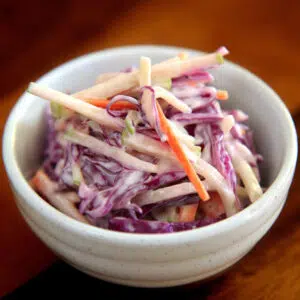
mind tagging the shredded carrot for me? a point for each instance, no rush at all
(35, 181)
(104, 102)
(191, 83)
(222, 95)
(187, 213)
(181, 156)
(213, 208)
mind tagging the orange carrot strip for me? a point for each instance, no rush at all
(213, 208)
(192, 83)
(179, 152)
(222, 95)
(104, 102)
(187, 213)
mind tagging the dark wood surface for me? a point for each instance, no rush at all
(263, 36)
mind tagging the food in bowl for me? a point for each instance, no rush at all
(148, 150)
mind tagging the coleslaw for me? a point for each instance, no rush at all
(148, 149)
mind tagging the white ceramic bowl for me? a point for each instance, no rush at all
(141, 259)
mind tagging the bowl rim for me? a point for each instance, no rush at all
(22, 187)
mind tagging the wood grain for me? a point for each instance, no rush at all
(263, 36)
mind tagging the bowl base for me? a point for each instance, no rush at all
(189, 282)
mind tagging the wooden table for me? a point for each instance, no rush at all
(262, 36)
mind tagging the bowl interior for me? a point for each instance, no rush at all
(246, 92)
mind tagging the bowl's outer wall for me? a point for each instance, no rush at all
(144, 260)
(122, 267)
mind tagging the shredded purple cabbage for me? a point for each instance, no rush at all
(54, 151)
(145, 226)
(196, 118)
(220, 157)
